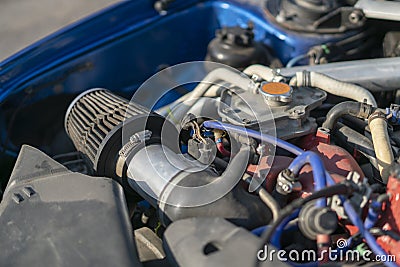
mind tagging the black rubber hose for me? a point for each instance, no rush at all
(345, 188)
(355, 140)
(354, 123)
(356, 109)
(381, 232)
(265, 196)
(237, 205)
(271, 203)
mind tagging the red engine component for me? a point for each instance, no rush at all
(390, 219)
(337, 161)
(271, 171)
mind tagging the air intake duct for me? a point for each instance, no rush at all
(137, 147)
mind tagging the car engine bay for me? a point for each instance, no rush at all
(206, 133)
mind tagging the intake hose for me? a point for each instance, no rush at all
(380, 138)
(221, 74)
(355, 109)
(264, 72)
(182, 192)
(215, 77)
(378, 74)
(333, 86)
(145, 161)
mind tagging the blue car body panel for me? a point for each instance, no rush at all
(121, 46)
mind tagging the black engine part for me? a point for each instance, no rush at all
(237, 205)
(315, 16)
(236, 47)
(50, 216)
(314, 220)
(215, 242)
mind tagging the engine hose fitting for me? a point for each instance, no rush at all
(380, 138)
(306, 78)
(314, 220)
(286, 183)
(355, 109)
(376, 115)
(333, 86)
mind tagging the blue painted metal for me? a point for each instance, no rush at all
(120, 47)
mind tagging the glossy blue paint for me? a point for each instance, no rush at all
(121, 46)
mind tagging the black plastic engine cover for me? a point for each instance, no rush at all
(209, 242)
(50, 216)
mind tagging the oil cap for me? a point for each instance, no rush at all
(276, 93)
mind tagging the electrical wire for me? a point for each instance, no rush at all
(333, 189)
(276, 237)
(318, 170)
(221, 148)
(381, 232)
(369, 238)
(375, 209)
(356, 221)
(258, 231)
(296, 60)
(197, 132)
(344, 188)
(252, 133)
(270, 202)
(297, 164)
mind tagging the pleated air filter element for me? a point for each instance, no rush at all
(94, 122)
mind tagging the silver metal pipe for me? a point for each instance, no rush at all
(373, 9)
(374, 74)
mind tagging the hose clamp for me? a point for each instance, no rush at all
(287, 183)
(376, 115)
(124, 152)
(306, 78)
(365, 110)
